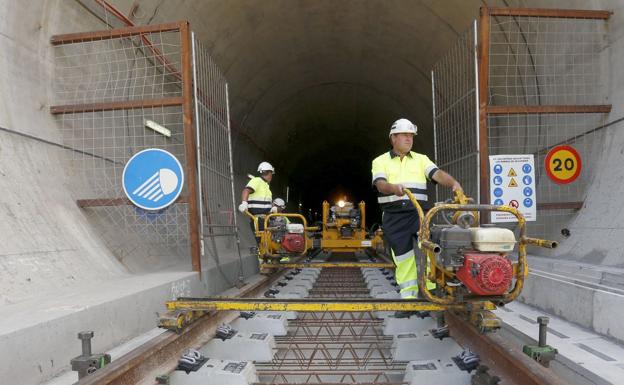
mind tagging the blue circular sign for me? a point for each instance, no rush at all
(528, 202)
(498, 169)
(527, 179)
(498, 180)
(153, 179)
(498, 202)
(498, 192)
(526, 168)
(527, 191)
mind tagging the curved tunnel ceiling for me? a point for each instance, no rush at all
(316, 84)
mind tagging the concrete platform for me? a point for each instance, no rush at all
(274, 324)
(422, 346)
(590, 296)
(218, 372)
(306, 282)
(259, 347)
(394, 326)
(383, 289)
(116, 311)
(310, 271)
(438, 372)
(293, 289)
(594, 357)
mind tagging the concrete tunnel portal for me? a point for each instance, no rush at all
(313, 87)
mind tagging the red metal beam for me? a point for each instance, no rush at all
(83, 37)
(550, 109)
(555, 13)
(159, 55)
(107, 202)
(110, 106)
(560, 206)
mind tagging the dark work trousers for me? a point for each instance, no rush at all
(401, 230)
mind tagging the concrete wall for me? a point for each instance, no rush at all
(47, 242)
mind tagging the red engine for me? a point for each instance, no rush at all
(293, 243)
(486, 274)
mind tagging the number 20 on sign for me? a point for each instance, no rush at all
(563, 164)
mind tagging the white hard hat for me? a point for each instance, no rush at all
(403, 126)
(265, 166)
(279, 202)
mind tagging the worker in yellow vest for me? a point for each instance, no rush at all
(257, 197)
(394, 172)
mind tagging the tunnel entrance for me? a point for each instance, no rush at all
(518, 81)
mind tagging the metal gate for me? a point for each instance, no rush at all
(218, 224)
(521, 81)
(122, 90)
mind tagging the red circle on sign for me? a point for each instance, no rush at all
(554, 177)
(514, 203)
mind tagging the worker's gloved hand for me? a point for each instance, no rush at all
(243, 206)
(273, 210)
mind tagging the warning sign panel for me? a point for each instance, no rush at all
(512, 183)
(563, 164)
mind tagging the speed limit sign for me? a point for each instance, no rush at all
(563, 164)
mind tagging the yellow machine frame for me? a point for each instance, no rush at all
(439, 275)
(333, 241)
(267, 248)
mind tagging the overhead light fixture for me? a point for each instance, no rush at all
(157, 127)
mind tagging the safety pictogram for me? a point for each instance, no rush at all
(563, 164)
(153, 179)
(512, 183)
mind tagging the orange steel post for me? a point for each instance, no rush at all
(484, 64)
(190, 146)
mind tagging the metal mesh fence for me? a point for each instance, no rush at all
(546, 61)
(217, 202)
(455, 114)
(141, 67)
(538, 133)
(539, 61)
(119, 70)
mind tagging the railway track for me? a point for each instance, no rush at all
(322, 347)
